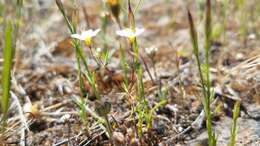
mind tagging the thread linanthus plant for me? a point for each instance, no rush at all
(80, 56)
(141, 109)
(87, 73)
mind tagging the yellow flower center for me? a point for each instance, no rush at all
(132, 39)
(88, 41)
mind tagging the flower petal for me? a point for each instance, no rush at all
(86, 33)
(139, 31)
(121, 33)
(90, 33)
(125, 32)
(129, 32)
(96, 32)
(77, 36)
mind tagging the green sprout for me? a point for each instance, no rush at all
(141, 109)
(233, 131)
(150, 115)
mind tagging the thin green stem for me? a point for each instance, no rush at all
(124, 66)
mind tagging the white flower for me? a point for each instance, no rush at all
(86, 35)
(129, 33)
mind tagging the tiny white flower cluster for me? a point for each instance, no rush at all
(89, 34)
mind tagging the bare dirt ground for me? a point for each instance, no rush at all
(46, 75)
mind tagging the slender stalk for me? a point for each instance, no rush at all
(208, 84)
(140, 107)
(94, 57)
(124, 66)
(136, 53)
(147, 69)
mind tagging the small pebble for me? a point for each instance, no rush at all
(180, 129)
(65, 118)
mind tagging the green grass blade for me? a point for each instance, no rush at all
(204, 68)
(194, 39)
(7, 66)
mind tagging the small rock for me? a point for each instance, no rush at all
(239, 56)
(180, 129)
(64, 118)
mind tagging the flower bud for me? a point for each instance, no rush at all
(114, 6)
